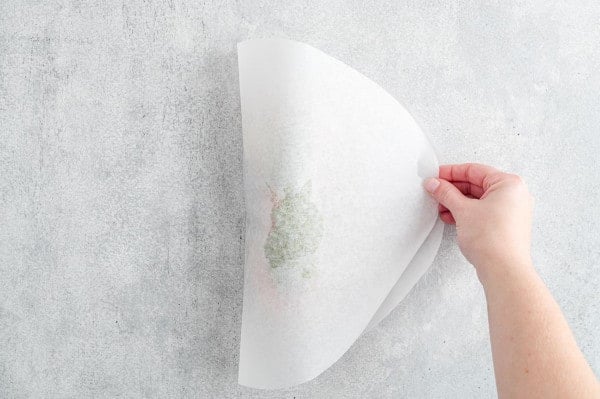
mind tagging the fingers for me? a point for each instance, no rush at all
(457, 184)
(473, 173)
(447, 217)
(446, 194)
(469, 189)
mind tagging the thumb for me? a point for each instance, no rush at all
(446, 194)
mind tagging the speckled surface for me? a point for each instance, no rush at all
(121, 203)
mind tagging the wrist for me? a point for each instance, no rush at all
(504, 270)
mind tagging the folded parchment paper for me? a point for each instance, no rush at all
(338, 226)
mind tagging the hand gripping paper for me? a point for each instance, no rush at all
(338, 226)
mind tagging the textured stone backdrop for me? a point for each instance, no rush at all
(121, 203)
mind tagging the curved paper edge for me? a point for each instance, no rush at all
(417, 267)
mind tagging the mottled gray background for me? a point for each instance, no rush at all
(121, 208)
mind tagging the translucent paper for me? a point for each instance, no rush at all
(338, 226)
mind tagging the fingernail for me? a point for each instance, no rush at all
(431, 184)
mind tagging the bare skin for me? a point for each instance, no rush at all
(535, 354)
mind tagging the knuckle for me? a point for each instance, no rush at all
(446, 197)
(443, 192)
(515, 179)
(469, 171)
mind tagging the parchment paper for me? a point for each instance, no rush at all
(338, 226)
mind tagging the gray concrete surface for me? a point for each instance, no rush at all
(121, 209)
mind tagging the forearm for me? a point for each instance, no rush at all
(534, 352)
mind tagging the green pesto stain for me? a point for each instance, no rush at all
(296, 228)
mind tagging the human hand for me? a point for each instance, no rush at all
(492, 212)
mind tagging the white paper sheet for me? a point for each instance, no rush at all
(338, 226)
